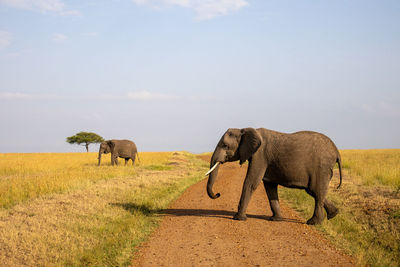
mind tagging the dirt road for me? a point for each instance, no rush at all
(199, 231)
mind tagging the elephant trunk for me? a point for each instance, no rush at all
(214, 166)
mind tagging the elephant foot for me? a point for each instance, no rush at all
(239, 217)
(313, 221)
(275, 218)
(332, 214)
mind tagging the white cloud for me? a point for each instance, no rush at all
(205, 9)
(8, 95)
(389, 109)
(143, 95)
(44, 6)
(5, 39)
(382, 108)
(146, 95)
(59, 37)
(21, 96)
(140, 2)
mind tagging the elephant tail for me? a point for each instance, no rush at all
(339, 162)
(137, 153)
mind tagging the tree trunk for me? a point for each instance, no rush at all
(87, 147)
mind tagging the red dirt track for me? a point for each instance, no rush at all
(199, 231)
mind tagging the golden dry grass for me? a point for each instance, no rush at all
(25, 176)
(91, 221)
(375, 166)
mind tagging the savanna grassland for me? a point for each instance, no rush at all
(368, 225)
(62, 209)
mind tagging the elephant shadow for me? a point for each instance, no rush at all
(225, 214)
(135, 208)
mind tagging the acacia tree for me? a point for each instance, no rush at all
(85, 139)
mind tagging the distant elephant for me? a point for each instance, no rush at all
(303, 160)
(119, 148)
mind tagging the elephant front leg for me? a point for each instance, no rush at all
(253, 179)
(272, 192)
(114, 160)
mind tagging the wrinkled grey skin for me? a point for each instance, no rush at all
(303, 160)
(118, 148)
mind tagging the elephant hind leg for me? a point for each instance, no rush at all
(319, 200)
(133, 159)
(318, 215)
(318, 189)
(331, 210)
(126, 161)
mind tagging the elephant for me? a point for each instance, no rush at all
(119, 148)
(302, 160)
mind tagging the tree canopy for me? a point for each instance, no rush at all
(85, 139)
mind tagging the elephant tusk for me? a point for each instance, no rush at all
(213, 168)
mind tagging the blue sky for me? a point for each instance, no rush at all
(175, 74)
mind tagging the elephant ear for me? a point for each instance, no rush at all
(111, 144)
(249, 144)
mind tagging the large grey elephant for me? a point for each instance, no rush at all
(303, 160)
(119, 148)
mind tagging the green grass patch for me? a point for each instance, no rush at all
(396, 214)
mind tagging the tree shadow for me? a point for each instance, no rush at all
(224, 214)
